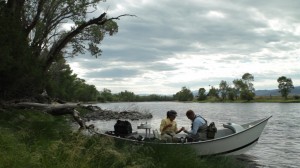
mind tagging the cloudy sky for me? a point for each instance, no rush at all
(195, 43)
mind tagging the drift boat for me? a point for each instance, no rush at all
(231, 139)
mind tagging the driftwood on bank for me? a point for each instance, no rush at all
(96, 113)
(55, 109)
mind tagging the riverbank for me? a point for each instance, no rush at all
(33, 139)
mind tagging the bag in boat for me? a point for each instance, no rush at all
(123, 127)
(211, 130)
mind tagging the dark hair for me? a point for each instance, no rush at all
(190, 112)
(171, 113)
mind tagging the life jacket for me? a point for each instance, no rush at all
(203, 128)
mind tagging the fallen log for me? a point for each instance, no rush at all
(55, 109)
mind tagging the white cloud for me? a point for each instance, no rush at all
(195, 44)
(215, 14)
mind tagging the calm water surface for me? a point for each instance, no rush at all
(278, 146)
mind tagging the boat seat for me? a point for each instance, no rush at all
(156, 134)
(234, 127)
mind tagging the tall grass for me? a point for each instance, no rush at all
(33, 139)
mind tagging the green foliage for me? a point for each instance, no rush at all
(296, 97)
(247, 95)
(213, 92)
(32, 39)
(65, 85)
(165, 156)
(105, 95)
(201, 94)
(184, 95)
(223, 88)
(155, 97)
(244, 87)
(20, 73)
(36, 139)
(285, 85)
(232, 93)
(53, 14)
(239, 85)
(126, 96)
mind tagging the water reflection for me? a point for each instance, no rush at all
(249, 160)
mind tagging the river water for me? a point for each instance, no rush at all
(278, 146)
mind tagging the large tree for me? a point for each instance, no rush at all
(245, 87)
(285, 85)
(201, 94)
(184, 94)
(32, 35)
(105, 95)
(248, 78)
(223, 88)
(214, 92)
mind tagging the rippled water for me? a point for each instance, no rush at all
(279, 145)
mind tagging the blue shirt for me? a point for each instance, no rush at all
(197, 123)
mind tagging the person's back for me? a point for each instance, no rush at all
(198, 129)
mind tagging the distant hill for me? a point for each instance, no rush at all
(275, 92)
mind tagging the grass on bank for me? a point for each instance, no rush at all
(32, 139)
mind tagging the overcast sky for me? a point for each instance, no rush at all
(195, 43)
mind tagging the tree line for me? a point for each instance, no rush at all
(242, 89)
(126, 96)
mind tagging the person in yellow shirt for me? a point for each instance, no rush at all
(168, 127)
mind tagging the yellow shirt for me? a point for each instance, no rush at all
(167, 121)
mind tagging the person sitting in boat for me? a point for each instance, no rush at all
(198, 129)
(168, 127)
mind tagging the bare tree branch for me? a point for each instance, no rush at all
(59, 45)
(35, 20)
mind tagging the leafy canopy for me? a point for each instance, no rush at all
(285, 85)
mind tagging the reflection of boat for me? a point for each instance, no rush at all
(233, 139)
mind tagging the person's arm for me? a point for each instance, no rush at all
(176, 129)
(181, 129)
(196, 125)
(162, 125)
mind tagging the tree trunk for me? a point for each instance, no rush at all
(15, 7)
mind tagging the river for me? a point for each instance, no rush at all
(278, 146)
